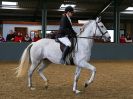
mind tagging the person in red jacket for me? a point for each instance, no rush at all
(2, 38)
(36, 37)
(122, 39)
(18, 37)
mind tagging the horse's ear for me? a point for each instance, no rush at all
(98, 19)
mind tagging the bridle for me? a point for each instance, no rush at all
(103, 33)
(94, 36)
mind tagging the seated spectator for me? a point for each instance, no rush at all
(128, 39)
(36, 37)
(27, 38)
(18, 37)
(2, 38)
(10, 37)
(122, 39)
(52, 35)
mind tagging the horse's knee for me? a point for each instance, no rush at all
(94, 69)
(29, 73)
(39, 71)
(90, 67)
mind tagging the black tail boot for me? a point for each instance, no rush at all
(64, 54)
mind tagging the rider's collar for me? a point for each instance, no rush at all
(69, 19)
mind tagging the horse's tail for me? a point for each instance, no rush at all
(24, 62)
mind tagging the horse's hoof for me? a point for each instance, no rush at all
(46, 87)
(76, 91)
(86, 85)
(32, 88)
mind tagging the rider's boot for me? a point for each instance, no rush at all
(64, 54)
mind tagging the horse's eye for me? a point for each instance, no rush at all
(101, 26)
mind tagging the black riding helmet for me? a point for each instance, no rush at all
(69, 9)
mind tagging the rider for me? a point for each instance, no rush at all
(66, 31)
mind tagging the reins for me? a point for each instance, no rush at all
(91, 37)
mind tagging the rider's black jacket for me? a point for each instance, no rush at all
(66, 27)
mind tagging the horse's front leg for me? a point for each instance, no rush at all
(76, 77)
(93, 72)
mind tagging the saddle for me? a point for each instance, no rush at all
(70, 54)
(55, 35)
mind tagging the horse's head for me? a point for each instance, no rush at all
(96, 30)
(100, 31)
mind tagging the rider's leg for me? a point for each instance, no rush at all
(64, 54)
(67, 44)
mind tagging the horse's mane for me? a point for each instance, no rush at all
(86, 24)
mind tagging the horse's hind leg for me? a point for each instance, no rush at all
(40, 71)
(30, 72)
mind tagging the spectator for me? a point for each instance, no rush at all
(36, 37)
(122, 39)
(27, 38)
(128, 39)
(10, 37)
(2, 38)
(18, 37)
(52, 35)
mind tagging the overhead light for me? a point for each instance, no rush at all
(13, 8)
(66, 5)
(9, 3)
(127, 12)
(129, 8)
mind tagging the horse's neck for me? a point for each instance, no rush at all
(86, 42)
(88, 30)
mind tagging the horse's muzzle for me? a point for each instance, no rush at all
(109, 39)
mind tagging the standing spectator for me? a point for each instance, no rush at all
(122, 39)
(36, 37)
(10, 37)
(27, 38)
(2, 38)
(18, 37)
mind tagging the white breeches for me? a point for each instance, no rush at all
(65, 41)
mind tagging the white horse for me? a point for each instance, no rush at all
(45, 48)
